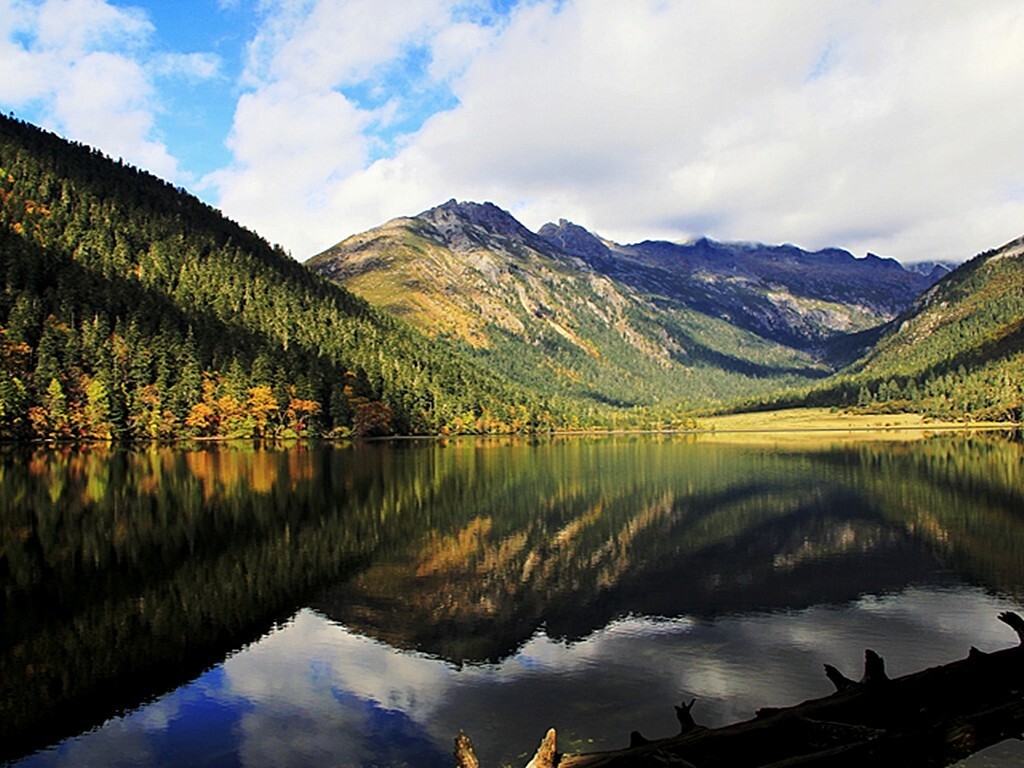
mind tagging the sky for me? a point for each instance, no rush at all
(886, 126)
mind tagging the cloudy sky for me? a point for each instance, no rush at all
(889, 126)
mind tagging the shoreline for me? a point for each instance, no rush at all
(823, 419)
(792, 422)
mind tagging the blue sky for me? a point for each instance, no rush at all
(198, 110)
(885, 126)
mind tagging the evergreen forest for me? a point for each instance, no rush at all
(129, 309)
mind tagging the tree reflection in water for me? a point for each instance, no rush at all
(126, 573)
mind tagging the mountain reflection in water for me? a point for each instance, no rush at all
(404, 591)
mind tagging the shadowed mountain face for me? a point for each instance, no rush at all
(568, 312)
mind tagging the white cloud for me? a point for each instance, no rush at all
(296, 137)
(888, 127)
(455, 47)
(192, 66)
(290, 148)
(86, 69)
(75, 27)
(104, 100)
(334, 43)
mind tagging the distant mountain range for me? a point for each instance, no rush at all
(781, 292)
(569, 311)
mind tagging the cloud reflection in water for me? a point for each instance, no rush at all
(314, 693)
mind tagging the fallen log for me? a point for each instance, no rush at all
(934, 717)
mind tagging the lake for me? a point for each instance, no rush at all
(358, 605)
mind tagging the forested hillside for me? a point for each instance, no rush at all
(130, 309)
(957, 353)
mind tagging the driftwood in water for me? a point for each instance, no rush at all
(930, 718)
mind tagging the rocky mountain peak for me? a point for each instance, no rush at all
(454, 217)
(574, 240)
(782, 294)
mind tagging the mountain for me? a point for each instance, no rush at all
(958, 351)
(934, 270)
(130, 309)
(637, 325)
(784, 293)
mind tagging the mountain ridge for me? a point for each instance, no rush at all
(837, 274)
(572, 312)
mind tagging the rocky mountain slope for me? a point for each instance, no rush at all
(784, 293)
(566, 311)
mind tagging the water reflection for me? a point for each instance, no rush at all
(452, 582)
(316, 693)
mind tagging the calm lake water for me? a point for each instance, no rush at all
(229, 605)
